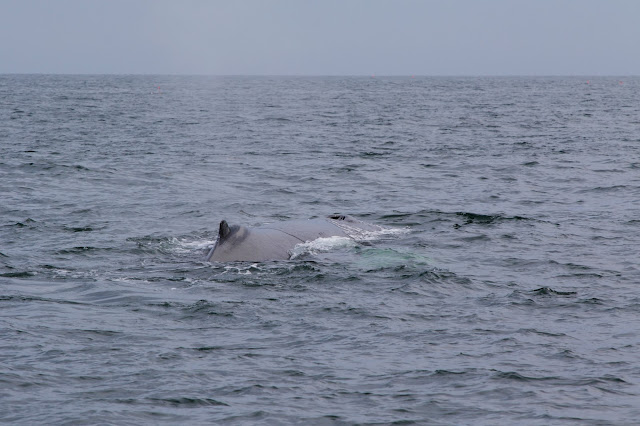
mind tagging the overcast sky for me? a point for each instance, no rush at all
(321, 37)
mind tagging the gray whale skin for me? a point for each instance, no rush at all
(275, 241)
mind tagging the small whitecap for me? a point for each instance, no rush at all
(129, 280)
(241, 269)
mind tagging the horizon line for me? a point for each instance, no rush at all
(372, 75)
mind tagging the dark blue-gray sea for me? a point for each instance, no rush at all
(506, 290)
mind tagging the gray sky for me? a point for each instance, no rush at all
(321, 37)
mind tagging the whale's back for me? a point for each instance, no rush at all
(276, 240)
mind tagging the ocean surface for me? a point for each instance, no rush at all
(505, 288)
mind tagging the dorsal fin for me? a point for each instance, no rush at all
(224, 230)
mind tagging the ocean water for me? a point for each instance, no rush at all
(505, 288)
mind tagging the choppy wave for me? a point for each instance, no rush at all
(500, 288)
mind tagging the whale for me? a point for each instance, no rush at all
(275, 241)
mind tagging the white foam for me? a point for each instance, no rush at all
(321, 245)
(182, 246)
(362, 235)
